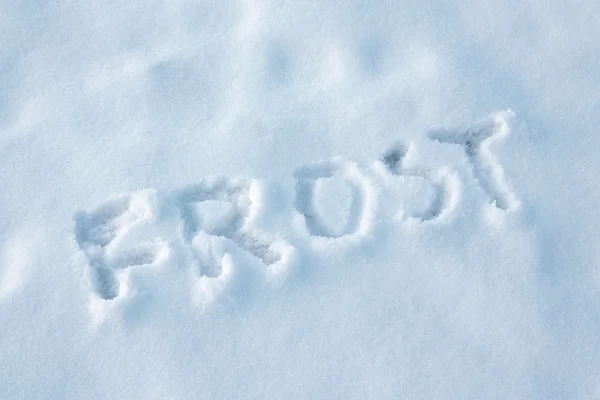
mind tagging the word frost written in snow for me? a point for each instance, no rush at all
(125, 238)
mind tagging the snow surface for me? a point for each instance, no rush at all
(299, 200)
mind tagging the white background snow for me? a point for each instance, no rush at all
(119, 121)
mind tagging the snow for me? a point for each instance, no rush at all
(304, 200)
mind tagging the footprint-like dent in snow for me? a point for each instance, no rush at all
(439, 188)
(372, 56)
(393, 158)
(277, 64)
(476, 141)
(102, 234)
(308, 180)
(218, 222)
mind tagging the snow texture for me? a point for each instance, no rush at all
(299, 200)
